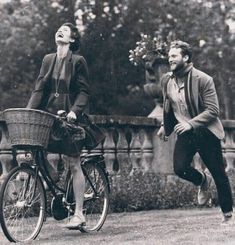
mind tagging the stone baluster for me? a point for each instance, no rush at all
(99, 148)
(53, 160)
(135, 151)
(228, 146)
(147, 151)
(109, 150)
(110, 157)
(198, 163)
(6, 153)
(122, 155)
(23, 156)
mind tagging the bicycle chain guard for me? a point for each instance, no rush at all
(58, 210)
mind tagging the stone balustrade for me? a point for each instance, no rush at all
(228, 144)
(139, 164)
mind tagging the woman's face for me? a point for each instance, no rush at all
(63, 35)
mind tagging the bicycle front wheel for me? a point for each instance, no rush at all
(96, 197)
(22, 205)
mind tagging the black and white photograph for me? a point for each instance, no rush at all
(117, 122)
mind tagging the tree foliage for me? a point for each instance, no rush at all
(110, 29)
(198, 22)
(26, 34)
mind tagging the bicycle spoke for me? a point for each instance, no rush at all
(24, 205)
(96, 198)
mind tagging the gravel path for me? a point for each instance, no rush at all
(160, 227)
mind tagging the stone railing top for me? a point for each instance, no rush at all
(116, 120)
(134, 121)
(229, 124)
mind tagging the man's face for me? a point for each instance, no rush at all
(176, 60)
(63, 35)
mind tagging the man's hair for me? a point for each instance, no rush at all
(74, 46)
(186, 49)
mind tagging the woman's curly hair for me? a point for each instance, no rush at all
(74, 46)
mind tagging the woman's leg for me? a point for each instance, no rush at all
(78, 188)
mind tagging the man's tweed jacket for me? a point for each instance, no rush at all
(201, 100)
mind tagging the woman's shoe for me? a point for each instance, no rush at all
(75, 222)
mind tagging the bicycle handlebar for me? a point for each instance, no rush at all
(66, 128)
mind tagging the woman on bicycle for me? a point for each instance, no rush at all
(63, 85)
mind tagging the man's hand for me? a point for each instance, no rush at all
(182, 127)
(71, 117)
(161, 134)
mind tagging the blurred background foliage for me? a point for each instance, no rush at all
(110, 28)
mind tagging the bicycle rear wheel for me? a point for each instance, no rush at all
(96, 197)
(22, 205)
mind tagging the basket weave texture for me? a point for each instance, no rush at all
(28, 127)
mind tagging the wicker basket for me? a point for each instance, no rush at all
(28, 127)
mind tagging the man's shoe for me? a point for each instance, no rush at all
(203, 193)
(227, 219)
(75, 223)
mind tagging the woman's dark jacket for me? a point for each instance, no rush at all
(76, 78)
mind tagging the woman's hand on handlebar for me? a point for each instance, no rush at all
(61, 114)
(71, 117)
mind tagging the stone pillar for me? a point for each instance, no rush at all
(163, 154)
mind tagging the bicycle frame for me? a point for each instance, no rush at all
(97, 159)
(41, 171)
(27, 200)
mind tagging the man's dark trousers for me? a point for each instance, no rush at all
(208, 146)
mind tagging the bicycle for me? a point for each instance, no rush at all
(23, 201)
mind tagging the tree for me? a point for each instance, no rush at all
(26, 33)
(113, 27)
(110, 29)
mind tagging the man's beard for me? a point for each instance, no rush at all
(178, 67)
